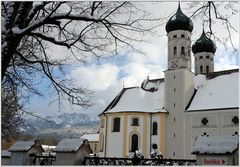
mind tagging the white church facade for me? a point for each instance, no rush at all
(169, 113)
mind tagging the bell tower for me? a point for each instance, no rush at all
(204, 49)
(178, 87)
(179, 29)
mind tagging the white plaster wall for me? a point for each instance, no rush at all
(114, 139)
(156, 138)
(115, 142)
(204, 62)
(102, 131)
(184, 61)
(182, 81)
(220, 124)
(132, 129)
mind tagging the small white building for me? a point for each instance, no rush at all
(6, 155)
(216, 150)
(22, 152)
(93, 140)
(72, 151)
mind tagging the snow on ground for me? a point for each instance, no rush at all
(219, 92)
(69, 145)
(215, 144)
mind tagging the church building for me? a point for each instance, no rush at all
(169, 113)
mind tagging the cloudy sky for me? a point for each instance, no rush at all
(130, 69)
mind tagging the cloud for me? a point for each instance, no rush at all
(107, 80)
(96, 78)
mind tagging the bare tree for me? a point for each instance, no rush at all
(11, 117)
(87, 29)
(216, 13)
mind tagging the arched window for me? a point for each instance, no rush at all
(116, 125)
(155, 127)
(134, 142)
(207, 69)
(135, 122)
(182, 50)
(174, 50)
(201, 69)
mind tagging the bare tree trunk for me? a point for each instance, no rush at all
(17, 19)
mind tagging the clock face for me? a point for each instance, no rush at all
(174, 64)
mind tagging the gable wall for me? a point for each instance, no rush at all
(220, 124)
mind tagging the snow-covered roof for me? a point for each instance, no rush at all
(215, 93)
(148, 98)
(91, 137)
(215, 145)
(69, 145)
(5, 153)
(22, 146)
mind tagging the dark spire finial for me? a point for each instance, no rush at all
(179, 7)
(203, 32)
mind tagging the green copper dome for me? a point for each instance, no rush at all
(179, 21)
(204, 44)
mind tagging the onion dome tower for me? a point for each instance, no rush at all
(179, 28)
(204, 49)
(178, 82)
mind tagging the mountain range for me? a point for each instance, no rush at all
(70, 125)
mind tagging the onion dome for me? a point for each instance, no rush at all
(204, 44)
(179, 21)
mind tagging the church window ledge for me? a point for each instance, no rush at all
(207, 126)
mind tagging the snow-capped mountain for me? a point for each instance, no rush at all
(67, 132)
(65, 120)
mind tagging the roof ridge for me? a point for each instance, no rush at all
(116, 99)
(219, 73)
